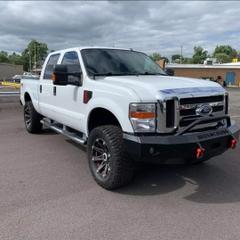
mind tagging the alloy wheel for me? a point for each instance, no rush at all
(101, 158)
(27, 116)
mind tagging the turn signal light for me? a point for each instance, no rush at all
(233, 143)
(53, 77)
(142, 115)
(200, 152)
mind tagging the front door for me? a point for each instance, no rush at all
(69, 98)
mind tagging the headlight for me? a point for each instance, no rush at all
(143, 117)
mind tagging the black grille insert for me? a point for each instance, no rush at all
(226, 104)
(218, 98)
(170, 113)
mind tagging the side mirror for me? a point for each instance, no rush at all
(60, 75)
(169, 71)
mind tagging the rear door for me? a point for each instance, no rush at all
(46, 88)
(69, 99)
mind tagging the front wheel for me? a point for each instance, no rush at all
(108, 161)
(32, 118)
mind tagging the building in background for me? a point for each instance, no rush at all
(229, 72)
(7, 70)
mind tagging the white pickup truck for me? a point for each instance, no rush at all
(125, 108)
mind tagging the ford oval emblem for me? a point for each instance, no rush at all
(204, 110)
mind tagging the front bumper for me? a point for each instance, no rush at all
(169, 148)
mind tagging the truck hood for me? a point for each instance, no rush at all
(149, 88)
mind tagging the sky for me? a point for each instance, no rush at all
(148, 26)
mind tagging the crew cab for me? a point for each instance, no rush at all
(125, 108)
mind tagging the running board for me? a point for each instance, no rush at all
(62, 130)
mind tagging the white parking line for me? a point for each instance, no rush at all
(8, 94)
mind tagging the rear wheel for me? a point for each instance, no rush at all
(32, 118)
(108, 161)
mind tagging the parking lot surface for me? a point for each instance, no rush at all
(47, 192)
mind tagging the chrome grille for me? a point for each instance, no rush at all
(168, 115)
(188, 107)
(175, 113)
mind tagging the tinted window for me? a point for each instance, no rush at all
(50, 65)
(119, 62)
(71, 60)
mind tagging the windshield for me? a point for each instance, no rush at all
(107, 62)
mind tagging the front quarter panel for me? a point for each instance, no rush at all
(115, 100)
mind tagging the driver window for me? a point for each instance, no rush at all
(71, 60)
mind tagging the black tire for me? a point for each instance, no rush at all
(108, 140)
(32, 118)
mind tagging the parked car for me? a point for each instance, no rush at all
(125, 108)
(24, 77)
(16, 78)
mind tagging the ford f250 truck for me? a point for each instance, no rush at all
(125, 108)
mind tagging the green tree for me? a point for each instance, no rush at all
(155, 56)
(199, 55)
(222, 58)
(176, 58)
(187, 60)
(224, 53)
(15, 59)
(4, 57)
(34, 54)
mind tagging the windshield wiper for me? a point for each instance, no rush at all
(94, 74)
(111, 74)
(149, 73)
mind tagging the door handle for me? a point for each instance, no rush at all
(54, 91)
(40, 89)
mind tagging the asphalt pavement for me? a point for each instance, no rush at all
(47, 192)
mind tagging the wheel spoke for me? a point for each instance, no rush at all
(97, 158)
(98, 149)
(105, 171)
(27, 109)
(101, 166)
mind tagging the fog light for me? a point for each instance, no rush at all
(200, 152)
(233, 143)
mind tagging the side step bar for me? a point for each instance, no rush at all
(62, 130)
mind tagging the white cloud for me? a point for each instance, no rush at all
(147, 26)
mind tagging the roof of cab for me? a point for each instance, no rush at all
(86, 47)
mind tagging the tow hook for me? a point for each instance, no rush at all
(233, 143)
(200, 151)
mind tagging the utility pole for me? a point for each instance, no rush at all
(181, 56)
(35, 57)
(30, 64)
